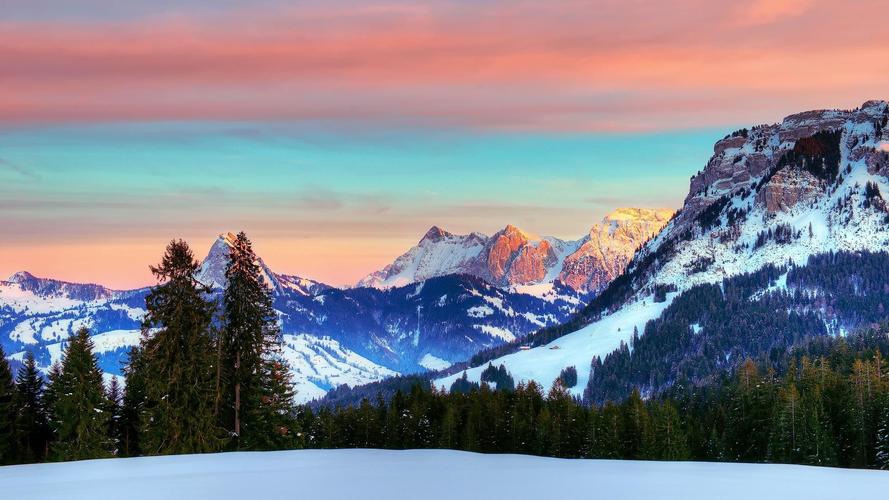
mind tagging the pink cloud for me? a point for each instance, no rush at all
(769, 11)
(572, 65)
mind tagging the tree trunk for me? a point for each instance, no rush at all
(218, 376)
(237, 396)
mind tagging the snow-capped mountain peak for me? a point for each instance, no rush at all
(513, 257)
(51, 288)
(610, 245)
(212, 270)
(438, 253)
(435, 233)
(20, 277)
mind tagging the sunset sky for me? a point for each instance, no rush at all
(336, 132)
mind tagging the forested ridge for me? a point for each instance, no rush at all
(826, 403)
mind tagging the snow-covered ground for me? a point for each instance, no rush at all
(427, 475)
(544, 364)
(318, 364)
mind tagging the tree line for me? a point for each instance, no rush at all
(205, 377)
(209, 375)
(829, 406)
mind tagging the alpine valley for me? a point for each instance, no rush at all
(443, 301)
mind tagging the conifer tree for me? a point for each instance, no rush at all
(50, 397)
(561, 406)
(882, 446)
(672, 443)
(80, 409)
(132, 405)
(8, 436)
(31, 421)
(258, 394)
(178, 359)
(115, 409)
(638, 437)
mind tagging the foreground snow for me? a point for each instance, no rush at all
(427, 474)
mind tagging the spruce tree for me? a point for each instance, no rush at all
(115, 400)
(8, 436)
(178, 359)
(31, 421)
(50, 397)
(132, 406)
(882, 445)
(257, 392)
(80, 409)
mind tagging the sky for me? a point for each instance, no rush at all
(336, 133)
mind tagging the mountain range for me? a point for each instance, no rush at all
(440, 312)
(782, 236)
(512, 257)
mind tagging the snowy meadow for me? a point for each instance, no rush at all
(427, 474)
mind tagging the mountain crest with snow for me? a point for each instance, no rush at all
(773, 194)
(513, 257)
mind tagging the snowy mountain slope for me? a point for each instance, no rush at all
(440, 320)
(773, 195)
(762, 180)
(512, 257)
(41, 320)
(37, 313)
(317, 364)
(438, 253)
(320, 364)
(319, 475)
(543, 364)
(335, 336)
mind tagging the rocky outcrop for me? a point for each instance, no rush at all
(513, 257)
(610, 246)
(742, 160)
(788, 187)
(776, 194)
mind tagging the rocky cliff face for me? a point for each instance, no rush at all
(512, 257)
(817, 178)
(787, 188)
(610, 245)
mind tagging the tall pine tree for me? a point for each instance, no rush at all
(882, 446)
(31, 421)
(50, 396)
(177, 360)
(8, 437)
(80, 408)
(132, 406)
(115, 400)
(257, 396)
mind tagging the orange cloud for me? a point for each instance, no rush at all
(573, 65)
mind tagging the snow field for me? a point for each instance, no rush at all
(428, 475)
